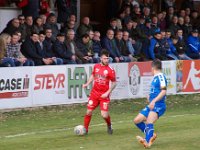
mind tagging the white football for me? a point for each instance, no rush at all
(79, 130)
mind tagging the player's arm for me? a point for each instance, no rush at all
(89, 81)
(112, 87)
(158, 98)
(163, 92)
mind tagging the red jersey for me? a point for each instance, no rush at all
(102, 76)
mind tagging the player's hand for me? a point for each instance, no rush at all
(147, 98)
(84, 85)
(105, 95)
(151, 105)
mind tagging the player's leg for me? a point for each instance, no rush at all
(87, 119)
(151, 119)
(104, 106)
(140, 119)
(92, 104)
(139, 122)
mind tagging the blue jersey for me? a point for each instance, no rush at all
(159, 82)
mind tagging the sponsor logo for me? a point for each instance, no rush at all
(134, 79)
(49, 81)
(76, 78)
(14, 87)
(105, 72)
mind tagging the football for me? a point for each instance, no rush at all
(80, 130)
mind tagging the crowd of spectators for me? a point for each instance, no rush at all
(136, 33)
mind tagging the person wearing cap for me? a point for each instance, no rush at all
(156, 49)
(61, 51)
(193, 44)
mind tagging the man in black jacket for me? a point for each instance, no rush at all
(61, 50)
(30, 49)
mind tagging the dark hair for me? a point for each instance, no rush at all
(85, 35)
(174, 37)
(32, 33)
(113, 19)
(104, 52)
(157, 64)
(15, 33)
(41, 32)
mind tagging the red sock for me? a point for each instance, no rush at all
(87, 119)
(108, 121)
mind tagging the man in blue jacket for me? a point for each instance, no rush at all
(193, 43)
(156, 48)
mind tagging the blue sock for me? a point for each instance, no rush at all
(149, 131)
(141, 126)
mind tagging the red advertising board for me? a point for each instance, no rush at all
(191, 76)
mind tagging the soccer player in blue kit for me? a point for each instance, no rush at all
(150, 114)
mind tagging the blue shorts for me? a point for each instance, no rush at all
(159, 110)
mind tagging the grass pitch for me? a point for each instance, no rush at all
(51, 128)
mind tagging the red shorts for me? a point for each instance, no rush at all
(95, 100)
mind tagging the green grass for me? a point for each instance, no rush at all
(51, 128)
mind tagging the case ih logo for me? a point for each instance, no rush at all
(14, 87)
(49, 81)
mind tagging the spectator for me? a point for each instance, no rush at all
(146, 12)
(181, 23)
(22, 27)
(12, 26)
(38, 25)
(52, 24)
(156, 49)
(82, 45)
(44, 7)
(193, 43)
(125, 55)
(162, 20)
(30, 49)
(169, 16)
(47, 53)
(71, 46)
(187, 27)
(13, 51)
(61, 51)
(128, 45)
(171, 52)
(28, 27)
(5, 61)
(135, 35)
(182, 13)
(69, 25)
(97, 47)
(187, 11)
(44, 18)
(195, 19)
(84, 27)
(180, 48)
(113, 24)
(109, 44)
(174, 25)
(49, 41)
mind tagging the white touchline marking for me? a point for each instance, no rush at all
(71, 128)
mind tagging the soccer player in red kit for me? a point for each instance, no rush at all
(100, 94)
